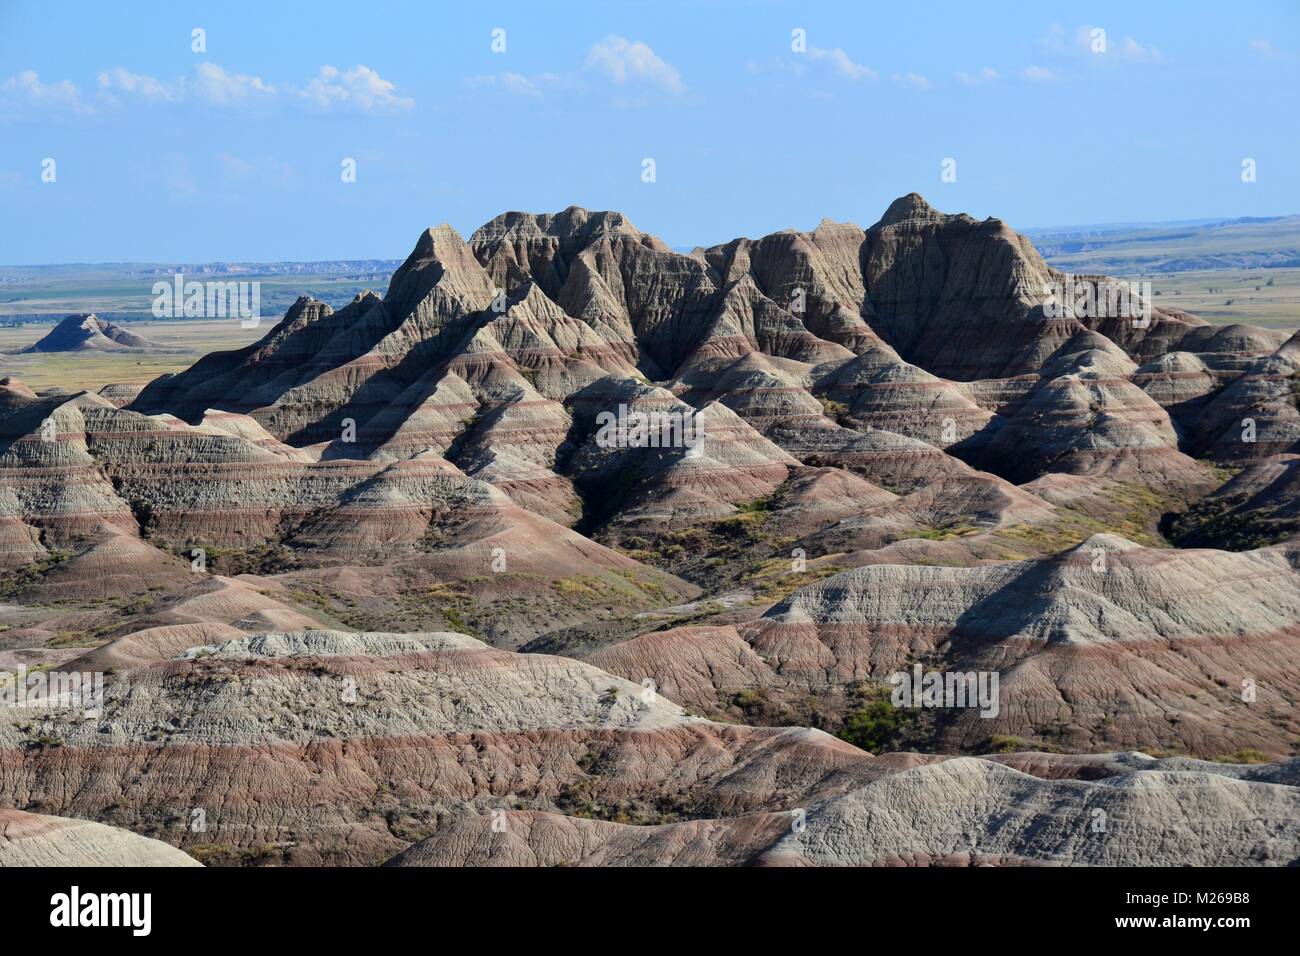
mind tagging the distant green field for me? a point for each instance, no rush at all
(1175, 247)
(1224, 271)
(1267, 297)
(133, 296)
(33, 298)
(75, 371)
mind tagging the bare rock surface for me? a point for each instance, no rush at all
(741, 488)
(959, 812)
(292, 740)
(973, 810)
(33, 839)
(1107, 645)
(89, 333)
(1259, 506)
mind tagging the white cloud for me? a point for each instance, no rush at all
(914, 80)
(516, 84)
(1056, 42)
(216, 87)
(210, 83)
(359, 88)
(836, 61)
(520, 85)
(1263, 47)
(235, 167)
(26, 90)
(1135, 52)
(1053, 41)
(787, 65)
(1037, 74)
(622, 60)
(986, 75)
(842, 63)
(121, 81)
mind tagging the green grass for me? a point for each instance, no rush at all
(1225, 296)
(875, 724)
(944, 533)
(75, 371)
(1010, 744)
(775, 578)
(1247, 755)
(837, 412)
(1136, 513)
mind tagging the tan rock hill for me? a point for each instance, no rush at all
(33, 839)
(1255, 415)
(927, 815)
(1153, 651)
(259, 732)
(89, 333)
(118, 500)
(331, 747)
(961, 812)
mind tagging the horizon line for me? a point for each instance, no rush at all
(1025, 230)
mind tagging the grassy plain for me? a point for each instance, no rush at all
(1265, 297)
(185, 342)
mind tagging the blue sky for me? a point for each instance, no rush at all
(236, 153)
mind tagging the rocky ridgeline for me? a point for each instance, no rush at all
(907, 456)
(327, 747)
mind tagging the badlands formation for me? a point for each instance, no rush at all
(30, 839)
(89, 333)
(385, 587)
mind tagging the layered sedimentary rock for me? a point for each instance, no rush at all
(564, 435)
(54, 493)
(326, 746)
(962, 506)
(1257, 507)
(1093, 423)
(338, 747)
(959, 297)
(1176, 379)
(33, 839)
(961, 812)
(121, 394)
(970, 811)
(1255, 415)
(844, 347)
(879, 390)
(118, 502)
(527, 838)
(1107, 645)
